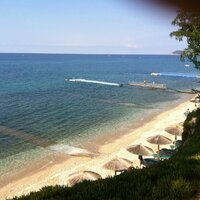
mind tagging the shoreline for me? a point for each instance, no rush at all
(104, 139)
(60, 165)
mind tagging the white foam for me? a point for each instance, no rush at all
(176, 74)
(69, 150)
(93, 81)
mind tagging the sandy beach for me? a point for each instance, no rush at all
(57, 168)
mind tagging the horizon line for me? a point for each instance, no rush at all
(51, 53)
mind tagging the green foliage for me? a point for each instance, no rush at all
(173, 179)
(190, 127)
(189, 27)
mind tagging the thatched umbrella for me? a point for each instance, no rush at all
(80, 176)
(118, 164)
(175, 130)
(159, 140)
(140, 150)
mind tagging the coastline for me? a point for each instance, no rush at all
(60, 166)
(100, 140)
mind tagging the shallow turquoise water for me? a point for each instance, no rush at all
(35, 100)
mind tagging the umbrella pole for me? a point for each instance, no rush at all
(140, 159)
(175, 138)
(158, 149)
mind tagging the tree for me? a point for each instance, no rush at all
(189, 28)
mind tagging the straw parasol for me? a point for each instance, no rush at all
(80, 176)
(140, 150)
(159, 140)
(118, 164)
(175, 130)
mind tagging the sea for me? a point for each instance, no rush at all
(39, 109)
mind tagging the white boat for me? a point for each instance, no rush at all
(155, 74)
(187, 65)
(198, 77)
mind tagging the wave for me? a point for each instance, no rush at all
(71, 150)
(46, 143)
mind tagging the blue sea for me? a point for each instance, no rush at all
(38, 108)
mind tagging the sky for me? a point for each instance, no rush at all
(85, 27)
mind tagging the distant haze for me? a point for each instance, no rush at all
(88, 27)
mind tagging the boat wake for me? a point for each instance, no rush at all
(174, 74)
(93, 81)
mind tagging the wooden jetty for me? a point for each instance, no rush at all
(152, 85)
